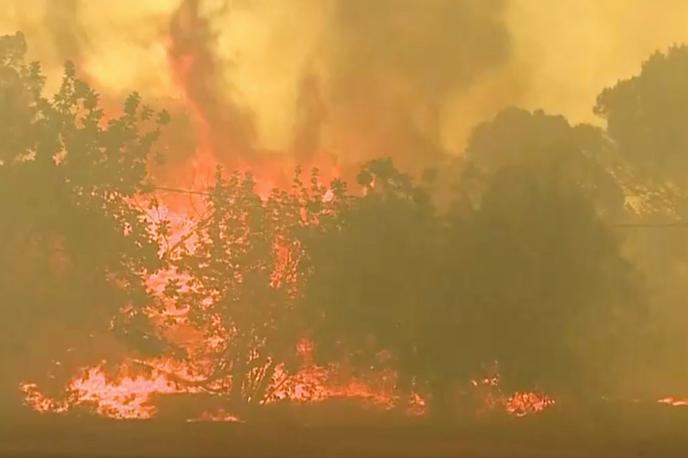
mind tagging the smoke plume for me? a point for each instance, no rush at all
(256, 80)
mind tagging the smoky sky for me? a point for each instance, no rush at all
(372, 83)
(62, 20)
(227, 127)
(387, 68)
(349, 79)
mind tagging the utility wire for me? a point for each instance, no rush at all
(677, 224)
(182, 191)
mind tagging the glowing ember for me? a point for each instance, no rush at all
(673, 402)
(312, 384)
(41, 403)
(518, 404)
(523, 403)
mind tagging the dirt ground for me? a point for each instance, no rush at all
(629, 432)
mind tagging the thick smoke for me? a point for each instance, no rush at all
(62, 21)
(306, 80)
(222, 126)
(389, 67)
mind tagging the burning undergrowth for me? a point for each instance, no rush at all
(226, 305)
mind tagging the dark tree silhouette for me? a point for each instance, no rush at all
(530, 277)
(646, 116)
(73, 245)
(544, 289)
(547, 283)
(579, 154)
(372, 285)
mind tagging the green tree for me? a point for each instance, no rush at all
(372, 286)
(529, 276)
(517, 137)
(547, 281)
(73, 245)
(544, 289)
(646, 117)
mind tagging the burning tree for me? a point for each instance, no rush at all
(240, 282)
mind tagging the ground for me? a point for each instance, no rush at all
(614, 432)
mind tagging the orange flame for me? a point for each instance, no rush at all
(126, 396)
(673, 402)
(130, 394)
(521, 404)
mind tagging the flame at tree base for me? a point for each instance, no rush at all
(133, 388)
(132, 393)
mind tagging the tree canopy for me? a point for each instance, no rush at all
(73, 243)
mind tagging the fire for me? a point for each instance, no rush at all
(518, 404)
(315, 384)
(131, 394)
(130, 390)
(41, 403)
(673, 402)
(127, 395)
(521, 404)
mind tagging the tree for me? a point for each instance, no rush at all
(517, 137)
(646, 119)
(646, 116)
(240, 282)
(73, 244)
(546, 292)
(529, 276)
(547, 285)
(371, 287)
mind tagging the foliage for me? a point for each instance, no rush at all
(529, 277)
(370, 273)
(525, 270)
(646, 116)
(544, 290)
(580, 155)
(240, 279)
(73, 244)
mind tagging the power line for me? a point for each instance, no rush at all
(181, 191)
(677, 224)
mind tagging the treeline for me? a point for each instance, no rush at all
(524, 271)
